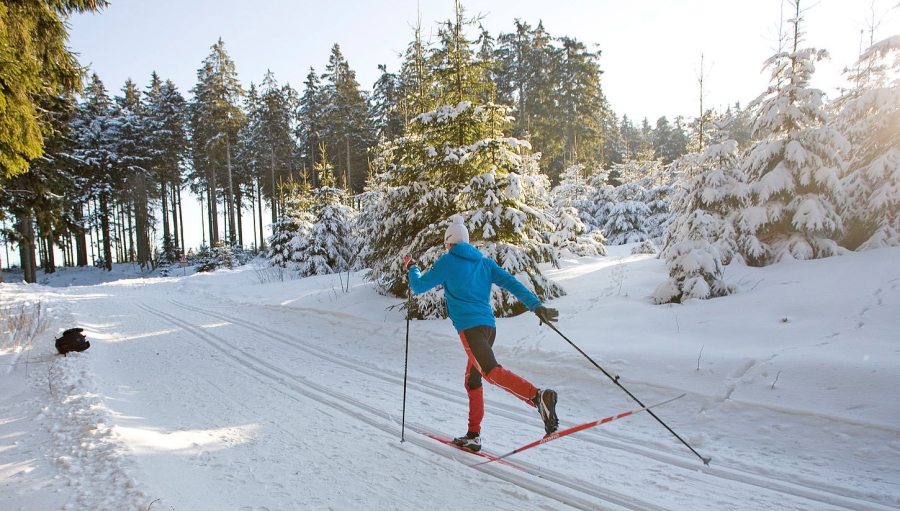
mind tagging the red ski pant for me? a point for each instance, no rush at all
(478, 342)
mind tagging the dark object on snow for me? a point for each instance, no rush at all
(72, 340)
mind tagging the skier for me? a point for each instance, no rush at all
(467, 277)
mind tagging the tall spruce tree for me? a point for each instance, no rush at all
(346, 129)
(130, 130)
(167, 143)
(267, 141)
(581, 102)
(92, 130)
(386, 106)
(668, 142)
(215, 119)
(416, 79)
(39, 199)
(308, 130)
(553, 85)
(794, 169)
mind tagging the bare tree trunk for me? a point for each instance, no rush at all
(213, 211)
(347, 171)
(142, 227)
(272, 176)
(50, 257)
(105, 228)
(231, 206)
(25, 227)
(202, 223)
(262, 233)
(164, 206)
(240, 229)
(180, 206)
(81, 258)
(90, 233)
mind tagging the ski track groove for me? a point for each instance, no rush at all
(806, 489)
(336, 400)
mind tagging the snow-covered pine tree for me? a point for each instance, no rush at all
(216, 117)
(329, 244)
(658, 199)
(454, 159)
(166, 142)
(868, 118)
(636, 210)
(346, 127)
(573, 189)
(569, 199)
(130, 128)
(267, 142)
(295, 222)
(626, 215)
(794, 169)
(385, 106)
(701, 239)
(96, 148)
(506, 211)
(592, 211)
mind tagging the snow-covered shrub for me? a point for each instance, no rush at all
(571, 234)
(699, 264)
(212, 258)
(646, 247)
(695, 264)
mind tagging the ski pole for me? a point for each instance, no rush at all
(405, 368)
(636, 400)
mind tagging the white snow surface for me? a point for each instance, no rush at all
(218, 392)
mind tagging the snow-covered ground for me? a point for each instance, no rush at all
(219, 392)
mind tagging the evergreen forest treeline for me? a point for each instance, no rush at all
(112, 165)
(513, 132)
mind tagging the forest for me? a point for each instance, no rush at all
(512, 130)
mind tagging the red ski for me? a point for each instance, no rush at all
(449, 441)
(569, 431)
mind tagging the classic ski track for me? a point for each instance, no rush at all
(340, 402)
(788, 484)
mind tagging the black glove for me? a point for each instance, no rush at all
(408, 261)
(547, 315)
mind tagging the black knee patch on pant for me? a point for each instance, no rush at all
(480, 340)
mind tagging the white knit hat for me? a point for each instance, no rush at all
(457, 232)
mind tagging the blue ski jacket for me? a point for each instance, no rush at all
(467, 277)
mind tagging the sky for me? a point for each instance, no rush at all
(651, 49)
(222, 391)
